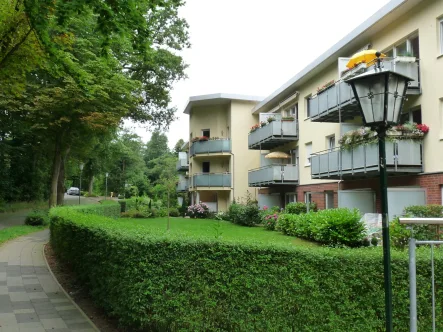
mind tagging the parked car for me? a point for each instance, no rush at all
(73, 191)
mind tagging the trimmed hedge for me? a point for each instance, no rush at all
(127, 204)
(105, 210)
(165, 282)
(331, 227)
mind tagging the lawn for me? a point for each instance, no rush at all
(13, 232)
(214, 229)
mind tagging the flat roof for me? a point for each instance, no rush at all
(217, 99)
(350, 43)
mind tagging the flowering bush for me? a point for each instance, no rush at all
(269, 217)
(200, 138)
(200, 211)
(254, 128)
(364, 135)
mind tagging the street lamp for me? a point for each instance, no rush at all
(80, 193)
(380, 95)
(106, 193)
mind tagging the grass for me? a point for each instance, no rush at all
(13, 232)
(207, 228)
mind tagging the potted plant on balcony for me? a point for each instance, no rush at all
(325, 86)
(270, 119)
(405, 57)
(288, 118)
(263, 124)
(254, 128)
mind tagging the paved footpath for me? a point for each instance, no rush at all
(30, 298)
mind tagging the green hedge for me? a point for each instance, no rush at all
(106, 210)
(330, 227)
(166, 282)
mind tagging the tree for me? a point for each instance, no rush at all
(178, 146)
(157, 146)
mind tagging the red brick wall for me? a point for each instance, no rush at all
(431, 182)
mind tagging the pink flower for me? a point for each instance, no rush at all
(265, 208)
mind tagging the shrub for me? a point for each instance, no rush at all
(300, 207)
(127, 204)
(400, 234)
(200, 211)
(331, 227)
(270, 221)
(173, 212)
(37, 218)
(106, 210)
(244, 214)
(159, 281)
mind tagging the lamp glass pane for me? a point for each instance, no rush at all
(370, 91)
(396, 88)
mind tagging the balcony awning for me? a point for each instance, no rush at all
(277, 155)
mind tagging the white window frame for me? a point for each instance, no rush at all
(308, 154)
(440, 26)
(308, 197)
(408, 44)
(203, 130)
(293, 195)
(330, 142)
(327, 199)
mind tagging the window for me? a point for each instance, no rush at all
(329, 199)
(330, 143)
(293, 111)
(407, 47)
(411, 116)
(440, 25)
(308, 106)
(205, 167)
(308, 197)
(294, 157)
(290, 198)
(206, 132)
(308, 153)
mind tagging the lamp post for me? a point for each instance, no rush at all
(106, 193)
(380, 96)
(80, 193)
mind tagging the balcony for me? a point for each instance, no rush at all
(337, 103)
(212, 146)
(273, 134)
(182, 186)
(182, 165)
(273, 175)
(209, 180)
(402, 158)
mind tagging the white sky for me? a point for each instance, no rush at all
(253, 47)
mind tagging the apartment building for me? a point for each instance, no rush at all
(306, 117)
(217, 162)
(410, 33)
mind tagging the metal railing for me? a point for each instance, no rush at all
(211, 180)
(273, 174)
(211, 146)
(182, 164)
(364, 158)
(182, 185)
(340, 96)
(276, 130)
(413, 269)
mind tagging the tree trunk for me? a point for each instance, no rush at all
(55, 171)
(91, 184)
(61, 180)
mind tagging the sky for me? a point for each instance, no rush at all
(253, 47)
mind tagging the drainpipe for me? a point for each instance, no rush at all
(232, 175)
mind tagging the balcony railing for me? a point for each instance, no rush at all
(182, 165)
(211, 146)
(402, 157)
(182, 185)
(337, 103)
(273, 134)
(212, 180)
(273, 175)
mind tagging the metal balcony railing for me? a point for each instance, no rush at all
(182, 185)
(276, 133)
(182, 165)
(212, 180)
(337, 103)
(402, 157)
(272, 175)
(210, 146)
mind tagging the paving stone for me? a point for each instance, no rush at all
(27, 318)
(24, 311)
(47, 316)
(31, 327)
(54, 323)
(79, 326)
(5, 304)
(4, 290)
(33, 288)
(2, 275)
(14, 280)
(38, 295)
(22, 305)
(19, 296)
(8, 319)
(30, 281)
(39, 300)
(16, 289)
(3, 282)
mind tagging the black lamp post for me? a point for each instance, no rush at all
(80, 193)
(380, 95)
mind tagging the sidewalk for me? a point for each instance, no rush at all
(30, 298)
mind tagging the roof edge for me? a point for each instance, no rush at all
(227, 96)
